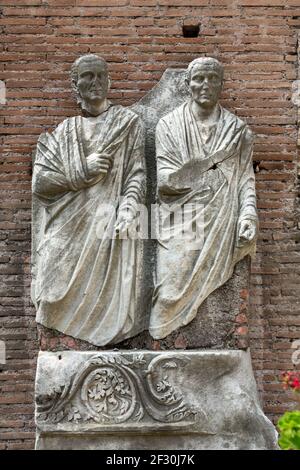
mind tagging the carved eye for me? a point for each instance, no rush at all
(198, 78)
(87, 75)
(214, 78)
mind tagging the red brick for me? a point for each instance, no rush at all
(242, 330)
(256, 40)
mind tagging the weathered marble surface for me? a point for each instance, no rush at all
(221, 321)
(141, 399)
(86, 279)
(213, 326)
(148, 400)
(204, 175)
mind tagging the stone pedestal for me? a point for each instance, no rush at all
(149, 400)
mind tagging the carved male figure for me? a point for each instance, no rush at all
(204, 158)
(85, 283)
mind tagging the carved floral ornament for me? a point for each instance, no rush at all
(112, 390)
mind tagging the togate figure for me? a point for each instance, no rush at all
(86, 276)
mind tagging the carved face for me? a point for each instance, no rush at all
(93, 82)
(206, 85)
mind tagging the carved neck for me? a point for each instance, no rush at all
(91, 109)
(207, 115)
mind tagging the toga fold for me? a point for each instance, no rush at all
(85, 283)
(219, 179)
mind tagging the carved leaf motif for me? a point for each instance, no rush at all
(124, 406)
(101, 406)
(109, 393)
(138, 360)
(162, 385)
(170, 394)
(120, 360)
(170, 365)
(178, 416)
(59, 416)
(114, 392)
(73, 414)
(96, 394)
(97, 361)
(125, 362)
(139, 414)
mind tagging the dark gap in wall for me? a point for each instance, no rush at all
(190, 31)
(256, 166)
(296, 18)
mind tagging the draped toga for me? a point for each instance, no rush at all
(85, 282)
(219, 178)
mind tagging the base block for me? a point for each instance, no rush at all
(125, 400)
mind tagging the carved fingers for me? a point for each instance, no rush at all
(247, 231)
(99, 164)
(124, 221)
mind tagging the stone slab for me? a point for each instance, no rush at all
(149, 400)
(215, 323)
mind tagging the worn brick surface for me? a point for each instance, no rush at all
(257, 41)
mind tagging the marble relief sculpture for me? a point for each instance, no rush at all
(204, 157)
(92, 281)
(86, 285)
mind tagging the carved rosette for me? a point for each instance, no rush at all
(109, 394)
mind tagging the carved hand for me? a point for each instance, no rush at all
(187, 177)
(99, 164)
(247, 230)
(124, 220)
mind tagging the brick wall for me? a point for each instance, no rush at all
(257, 42)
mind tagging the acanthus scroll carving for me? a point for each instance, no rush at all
(111, 389)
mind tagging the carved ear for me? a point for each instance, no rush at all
(186, 82)
(75, 90)
(186, 78)
(109, 83)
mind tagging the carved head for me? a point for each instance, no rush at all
(90, 80)
(205, 81)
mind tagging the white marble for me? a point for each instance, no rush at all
(149, 400)
(86, 282)
(204, 157)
